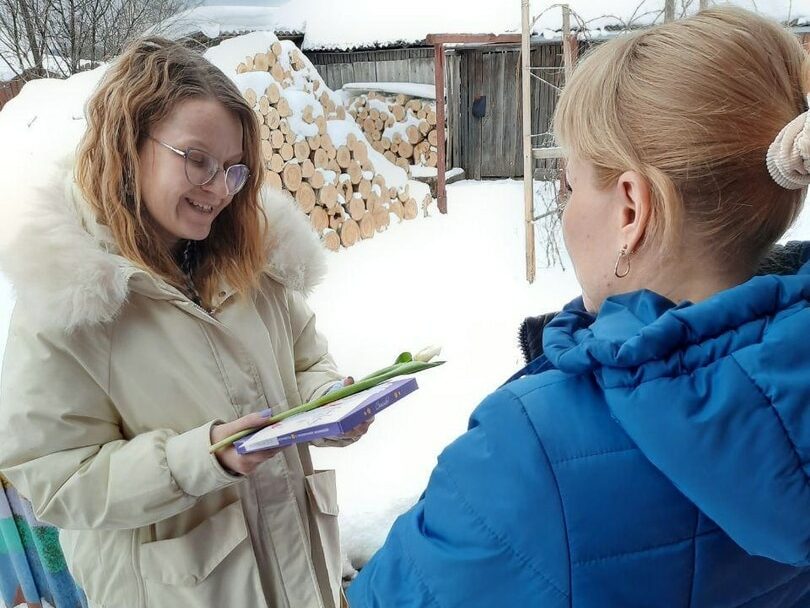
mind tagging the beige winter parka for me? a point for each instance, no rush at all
(110, 383)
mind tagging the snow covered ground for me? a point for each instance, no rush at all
(457, 281)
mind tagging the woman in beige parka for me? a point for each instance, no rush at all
(160, 292)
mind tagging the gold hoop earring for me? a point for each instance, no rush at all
(622, 255)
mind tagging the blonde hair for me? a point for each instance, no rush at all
(140, 89)
(693, 105)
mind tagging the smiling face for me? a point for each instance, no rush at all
(180, 209)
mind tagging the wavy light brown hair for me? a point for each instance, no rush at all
(141, 88)
(693, 106)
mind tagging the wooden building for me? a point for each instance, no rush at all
(484, 131)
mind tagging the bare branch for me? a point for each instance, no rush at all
(61, 37)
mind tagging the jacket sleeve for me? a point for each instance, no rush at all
(488, 530)
(62, 447)
(315, 370)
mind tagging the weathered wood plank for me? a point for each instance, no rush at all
(453, 111)
(510, 117)
(546, 153)
(472, 142)
(479, 90)
(490, 78)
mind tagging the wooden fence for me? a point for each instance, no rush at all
(413, 64)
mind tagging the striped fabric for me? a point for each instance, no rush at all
(33, 572)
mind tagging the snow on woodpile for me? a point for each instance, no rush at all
(401, 128)
(409, 89)
(312, 146)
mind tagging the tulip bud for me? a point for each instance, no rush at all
(426, 354)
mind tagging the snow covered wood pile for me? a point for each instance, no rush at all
(401, 128)
(312, 148)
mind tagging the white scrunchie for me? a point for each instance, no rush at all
(788, 156)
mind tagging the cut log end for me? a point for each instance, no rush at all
(291, 176)
(349, 233)
(273, 180)
(367, 227)
(410, 209)
(330, 239)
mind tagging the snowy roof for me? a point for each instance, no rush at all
(371, 23)
(213, 21)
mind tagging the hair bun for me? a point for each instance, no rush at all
(788, 157)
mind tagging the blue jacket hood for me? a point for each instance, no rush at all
(717, 396)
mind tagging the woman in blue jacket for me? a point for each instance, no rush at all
(658, 452)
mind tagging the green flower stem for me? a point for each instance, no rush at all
(402, 358)
(398, 369)
(381, 372)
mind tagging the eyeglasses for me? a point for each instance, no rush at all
(202, 168)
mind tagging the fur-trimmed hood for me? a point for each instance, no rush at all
(64, 272)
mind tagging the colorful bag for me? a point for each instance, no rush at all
(33, 571)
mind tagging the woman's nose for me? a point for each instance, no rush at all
(217, 185)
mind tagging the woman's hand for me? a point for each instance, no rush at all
(358, 431)
(350, 437)
(232, 460)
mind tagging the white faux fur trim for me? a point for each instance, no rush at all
(63, 275)
(296, 254)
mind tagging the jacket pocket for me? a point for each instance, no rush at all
(321, 489)
(211, 565)
(189, 559)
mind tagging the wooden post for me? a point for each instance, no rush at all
(704, 4)
(669, 10)
(528, 163)
(570, 54)
(441, 164)
(570, 46)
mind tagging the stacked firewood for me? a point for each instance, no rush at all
(401, 128)
(314, 151)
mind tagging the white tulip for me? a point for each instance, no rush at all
(426, 354)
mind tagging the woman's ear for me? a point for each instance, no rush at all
(635, 208)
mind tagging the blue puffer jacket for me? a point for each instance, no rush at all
(656, 455)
